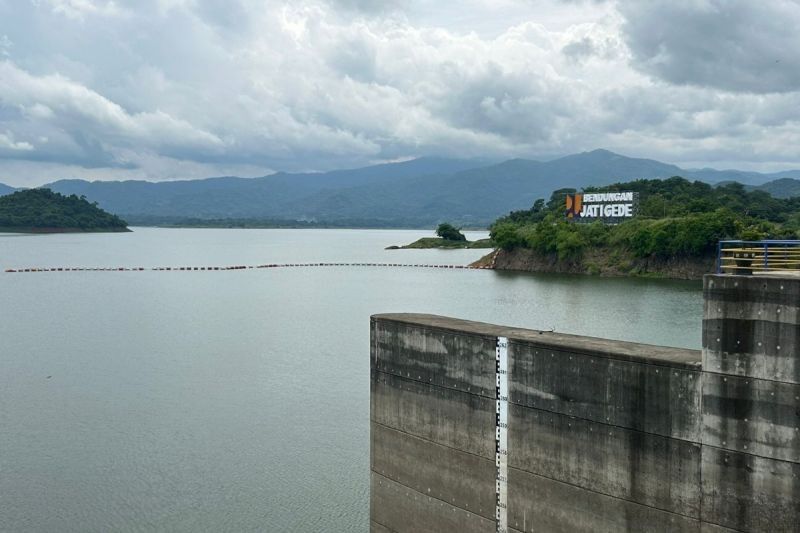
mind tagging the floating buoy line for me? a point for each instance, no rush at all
(238, 267)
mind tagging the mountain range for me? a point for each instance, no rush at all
(416, 193)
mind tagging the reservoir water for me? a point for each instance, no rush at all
(239, 400)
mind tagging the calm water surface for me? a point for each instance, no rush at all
(238, 401)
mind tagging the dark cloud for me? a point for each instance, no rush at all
(175, 88)
(354, 57)
(228, 15)
(370, 6)
(580, 49)
(734, 45)
(518, 106)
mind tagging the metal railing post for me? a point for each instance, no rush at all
(742, 256)
(766, 255)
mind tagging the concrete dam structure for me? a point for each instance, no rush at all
(479, 428)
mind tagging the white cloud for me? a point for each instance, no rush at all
(7, 142)
(5, 46)
(69, 106)
(80, 9)
(158, 88)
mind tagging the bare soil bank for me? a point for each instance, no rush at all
(600, 262)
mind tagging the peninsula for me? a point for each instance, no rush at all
(673, 235)
(447, 236)
(45, 211)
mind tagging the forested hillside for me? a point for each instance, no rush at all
(676, 219)
(45, 210)
(416, 193)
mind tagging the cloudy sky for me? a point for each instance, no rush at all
(167, 89)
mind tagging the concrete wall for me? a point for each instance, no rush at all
(751, 403)
(603, 435)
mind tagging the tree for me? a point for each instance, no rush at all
(449, 233)
(43, 208)
(506, 236)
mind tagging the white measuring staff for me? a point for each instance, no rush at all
(501, 434)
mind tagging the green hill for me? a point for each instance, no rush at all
(781, 188)
(42, 210)
(416, 193)
(678, 222)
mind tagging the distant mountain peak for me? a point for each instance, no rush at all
(5, 189)
(414, 192)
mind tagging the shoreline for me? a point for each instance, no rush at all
(437, 243)
(599, 262)
(49, 230)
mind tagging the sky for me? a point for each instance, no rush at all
(179, 89)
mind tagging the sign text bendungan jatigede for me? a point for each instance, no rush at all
(607, 206)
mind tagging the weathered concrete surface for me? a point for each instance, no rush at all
(399, 508)
(751, 327)
(629, 351)
(603, 435)
(541, 504)
(662, 399)
(433, 421)
(751, 415)
(639, 467)
(751, 403)
(456, 419)
(750, 493)
(450, 475)
(432, 412)
(706, 527)
(444, 358)
(375, 527)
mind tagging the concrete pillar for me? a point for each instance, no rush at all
(751, 403)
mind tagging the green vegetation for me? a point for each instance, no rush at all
(676, 218)
(437, 242)
(448, 237)
(450, 233)
(47, 211)
(781, 188)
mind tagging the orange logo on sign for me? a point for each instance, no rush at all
(574, 205)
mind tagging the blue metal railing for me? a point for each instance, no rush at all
(749, 257)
